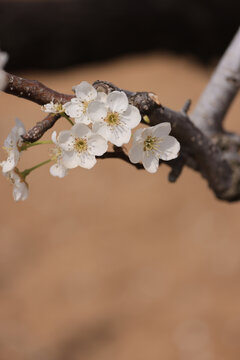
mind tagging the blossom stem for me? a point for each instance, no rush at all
(67, 118)
(26, 172)
(26, 146)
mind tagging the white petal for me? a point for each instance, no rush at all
(97, 145)
(80, 130)
(11, 161)
(54, 137)
(120, 135)
(83, 119)
(20, 191)
(25, 192)
(12, 139)
(86, 160)
(138, 134)
(101, 96)
(117, 101)
(49, 108)
(136, 153)
(73, 110)
(102, 129)
(168, 148)
(20, 127)
(67, 104)
(131, 117)
(147, 132)
(75, 100)
(58, 170)
(16, 193)
(65, 140)
(70, 159)
(97, 111)
(85, 91)
(162, 129)
(150, 161)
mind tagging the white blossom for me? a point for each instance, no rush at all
(80, 146)
(52, 107)
(114, 118)
(11, 145)
(78, 106)
(152, 144)
(3, 60)
(58, 169)
(20, 187)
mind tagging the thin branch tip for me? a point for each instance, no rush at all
(186, 106)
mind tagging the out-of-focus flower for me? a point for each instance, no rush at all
(114, 118)
(80, 146)
(152, 144)
(58, 169)
(12, 145)
(20, 187)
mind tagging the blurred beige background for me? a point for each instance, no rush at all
(116, 263)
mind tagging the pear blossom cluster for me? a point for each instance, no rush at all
(97, 119)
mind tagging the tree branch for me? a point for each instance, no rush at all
(118, 153)
(40, 128)
(220, 91)
(205, 146)
(33, 90)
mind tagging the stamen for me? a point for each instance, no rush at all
(80, 145)
(112, 119)
(151, 143)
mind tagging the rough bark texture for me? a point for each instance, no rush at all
(40, 128)
(197, 150)
(220, 91)
(33, 90)
(205, 146)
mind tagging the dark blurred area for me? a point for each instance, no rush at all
(59, 33)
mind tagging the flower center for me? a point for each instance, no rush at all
(112, 119)
(58, 107)
(151, 143)
(80, 145)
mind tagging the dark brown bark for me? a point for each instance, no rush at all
(33, 90)
(219, 164)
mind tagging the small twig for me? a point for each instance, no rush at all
(40, 128)
(120, 154)
(186, 106)
(177, 166)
